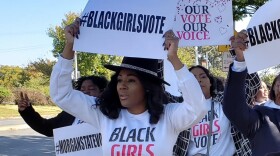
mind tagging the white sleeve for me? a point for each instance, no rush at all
(192, 110)
(72, 101)
(238, 66)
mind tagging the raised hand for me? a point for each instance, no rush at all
(171, 45)
(71, 31)
(239, 43)
(23, 102)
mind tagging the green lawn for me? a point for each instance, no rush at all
(9, 111)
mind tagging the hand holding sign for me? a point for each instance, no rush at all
(171, 44)
(71, 31)
(239, 44)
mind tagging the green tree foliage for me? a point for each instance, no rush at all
(243, 8)
(43, 66)
(268, 78)
(92, 64)
(88, 63)
(13, 76)
(187, 55)
(57, 33)
(4, 93)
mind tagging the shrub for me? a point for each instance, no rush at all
(36, 97)
(4, 94)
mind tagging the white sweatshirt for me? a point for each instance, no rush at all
(131, 134)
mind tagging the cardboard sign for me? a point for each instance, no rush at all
(77, 140)
(125, 27)
(204, 22)
(264, 34)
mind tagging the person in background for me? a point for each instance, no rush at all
(89, 85)
(132, 114)
(225, 139)
(262, 95)
(274, 94)
(260, 124)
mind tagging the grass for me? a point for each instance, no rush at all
(10, 111)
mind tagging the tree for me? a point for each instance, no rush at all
(243, 8)
(187, 55)
(88, 63)
(42, 65)
(13, 76)
(4, 93)
(268, 79)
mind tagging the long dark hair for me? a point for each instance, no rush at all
(272, 95)
(100, 81)
(216, 84)
(156, 98)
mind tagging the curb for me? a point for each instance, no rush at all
(14, 127)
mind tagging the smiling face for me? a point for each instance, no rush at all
(89, 88)
(203, 81)
(131, 92)
(262, 93)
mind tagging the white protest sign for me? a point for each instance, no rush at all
(204, 22)
(264, 34)
(125, 27)
(77, 140)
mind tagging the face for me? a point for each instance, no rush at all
(262, 94)
(203, 81)
(89, 88)
(131, 92)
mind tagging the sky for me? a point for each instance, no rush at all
(24, 25)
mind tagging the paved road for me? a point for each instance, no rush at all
(16, 139)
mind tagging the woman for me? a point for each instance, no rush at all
(261, 125)
(225, 139)
(262, 95)
(89, 85)
(131, 116)
(274, 94)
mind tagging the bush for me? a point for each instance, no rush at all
(5, 93)
(36, 97)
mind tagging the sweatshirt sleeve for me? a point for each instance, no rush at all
(72, 101)
(235, 107)
(45, 126)
(192, 110)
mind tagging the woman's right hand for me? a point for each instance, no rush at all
(23, 102)
(171, 45)
(71, 31)
(239, 44)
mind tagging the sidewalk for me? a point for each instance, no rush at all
(12, 124)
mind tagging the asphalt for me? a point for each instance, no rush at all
(16, 123)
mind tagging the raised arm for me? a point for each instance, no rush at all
(194, 101)
(235, 106)
(37, 122)
(61, 91)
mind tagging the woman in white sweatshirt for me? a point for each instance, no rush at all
(131, 114)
